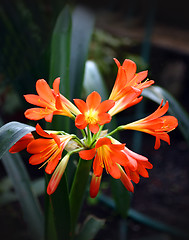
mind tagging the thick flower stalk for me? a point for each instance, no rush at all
(96, 146)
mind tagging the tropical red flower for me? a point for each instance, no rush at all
(155, 124)
(47, 150)
(50, 102)
(128, 80)
(22, 143)
(109, 156)
(93, 112)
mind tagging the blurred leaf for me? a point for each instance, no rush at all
(60, 60)
(29, 203)
(90, 228)
(121, 197)
(7, 196)
(10, 133)
(143, 219)
(57, 210)
(156, 94)
(78, 190)
(60, 51)
(59, 201)
(82, 28)
(93, 80)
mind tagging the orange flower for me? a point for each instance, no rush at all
(22, 143)
(109, 156)
(47, 149)
(155, 124)
(93, 112)
(50, 101)
(128, 80)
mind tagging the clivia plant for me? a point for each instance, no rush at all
(97, 146)
(97, 149)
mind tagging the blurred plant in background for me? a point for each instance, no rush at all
(67, 55)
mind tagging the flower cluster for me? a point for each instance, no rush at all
(90, 117)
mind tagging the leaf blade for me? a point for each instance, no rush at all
(10, 133)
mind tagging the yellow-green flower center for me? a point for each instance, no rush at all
(91, 116)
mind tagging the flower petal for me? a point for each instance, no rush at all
(94, 128)
(36, 159)
(104, 118)
(105, 106)
(114, 170)
(44, 91)
(82, 106)
(125, 180)
(80, 121)
(22, 143)
(87, 154)
(36, 100)
(53, 162)
(130, 68)
(93, 100)
(120, 158)
(37, 113)
(97, 168)
(102, 141)
(56, 84)
(39, 145)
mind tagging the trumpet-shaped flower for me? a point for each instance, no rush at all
(128, 80)
(22, 143)
(50, 102)
(48, 149)
(155, 125)
(106, 155)
(93, 112)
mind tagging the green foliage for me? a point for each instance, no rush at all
(82, 28)
(10, 133)
(90, 228)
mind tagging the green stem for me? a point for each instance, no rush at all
(83, 133)
(89, 136)
(114, 131)
(99, 132)
(78, 190)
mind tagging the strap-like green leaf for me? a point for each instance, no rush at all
(78, 190)
(90, 228)
(10, 133)
(93, 80)
(82, 28)
(60, 51)
(29, 203)
(57, 210)
(157, 93)
(121, 197)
